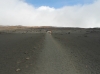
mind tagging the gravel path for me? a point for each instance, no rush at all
(54, 60)
(49, 54)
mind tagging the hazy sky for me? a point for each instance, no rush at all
(64, 13)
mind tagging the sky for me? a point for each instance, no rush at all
(60, 13)
(57, 3)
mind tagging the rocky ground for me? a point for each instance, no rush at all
(35, 51)
(84, 49)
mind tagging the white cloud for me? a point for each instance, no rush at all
(18, 12)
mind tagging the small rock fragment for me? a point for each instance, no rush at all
(18, 70)
(27, 66)
(27, 58)
(25, 52)
(85, 36)
(18, 62)
(68, 32)
(31, 64)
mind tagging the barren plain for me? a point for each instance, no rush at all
(32, 50)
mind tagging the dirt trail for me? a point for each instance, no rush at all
(47, 54)
(54, 60)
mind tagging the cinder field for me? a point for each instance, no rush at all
(32, 50)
